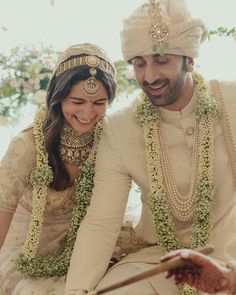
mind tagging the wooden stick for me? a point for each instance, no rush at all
(174, 263)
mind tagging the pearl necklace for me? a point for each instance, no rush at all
(182, 207)
(207, 111)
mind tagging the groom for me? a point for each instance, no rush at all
(177, 142)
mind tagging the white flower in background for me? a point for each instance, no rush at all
(25, 89)
(43, 76)
(15, 83)
(26, 75)
(49, 64)
(35, 53)
(40, 96)
(36, 67)
(34, 84)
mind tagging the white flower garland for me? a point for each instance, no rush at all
(41, 176)
(147, 115)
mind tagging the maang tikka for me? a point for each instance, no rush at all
(91, 86)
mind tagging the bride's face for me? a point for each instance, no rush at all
(82, 111)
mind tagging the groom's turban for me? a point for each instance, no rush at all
(163, 27)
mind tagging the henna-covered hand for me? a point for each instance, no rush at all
(202, 272)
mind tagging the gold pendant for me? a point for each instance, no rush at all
(90, 87)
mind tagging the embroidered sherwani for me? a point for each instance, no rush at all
(120, 159)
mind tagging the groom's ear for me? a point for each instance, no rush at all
(189, 64)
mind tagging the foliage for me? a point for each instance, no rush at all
(222, 31)
(125, 78)
(25, 73)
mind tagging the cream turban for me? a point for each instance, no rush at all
(184, 33)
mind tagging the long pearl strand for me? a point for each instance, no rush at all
(182, 207)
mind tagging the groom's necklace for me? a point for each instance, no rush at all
(200, 196)
(201, 193)
(182, 207)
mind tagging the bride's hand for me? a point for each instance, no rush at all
(202, 272)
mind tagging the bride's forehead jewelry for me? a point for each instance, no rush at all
(91, 86)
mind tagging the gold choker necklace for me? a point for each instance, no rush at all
(75, 147)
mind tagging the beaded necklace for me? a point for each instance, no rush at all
(41, 176)
(207, 110)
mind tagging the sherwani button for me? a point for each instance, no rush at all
(189, 131)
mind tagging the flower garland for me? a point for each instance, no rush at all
(41, 176)
(207, 110)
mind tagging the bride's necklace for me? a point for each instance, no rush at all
(75, 147)
(28, 262)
